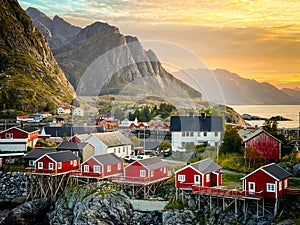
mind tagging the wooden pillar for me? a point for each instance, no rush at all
(276, 207)
(235, 206)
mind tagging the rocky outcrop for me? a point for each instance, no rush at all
(91, 204)
(28, 213)
(30, 77)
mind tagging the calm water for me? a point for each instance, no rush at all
(267, 111)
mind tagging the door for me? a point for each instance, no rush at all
(196, 179)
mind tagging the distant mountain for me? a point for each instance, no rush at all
(222, 86)
(294, 93)
(98, 59)
(31, 80)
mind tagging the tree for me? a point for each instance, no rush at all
(135, 141)
(232, 141)
(164, 145)
(271, 126)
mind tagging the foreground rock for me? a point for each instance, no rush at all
(91, 204)
(28, 213)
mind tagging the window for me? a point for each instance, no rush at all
(191, 134)
(251, 186)
(196, 179)
(71, 162)
(285, 183)
(119, 150)
(183, 134)
(50, 166)
(205, 134)
(40, 165)
(280, 185)
(187, 134)
(199, 134)
(207, 177)
(119, 166)
(86, 168)
(59, 165)
(96, 169)
(181, 178)
(108, 168)
(9, 135)
(165, 169)
(142, 173)
(216, 134)
(152, 173)
(123, 149)
(115, 150)
(31, 162)
(270, 187)
(183, 144)
(75, 162)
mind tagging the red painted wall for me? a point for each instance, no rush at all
(16, 133)
(269, 146)
(261, 179)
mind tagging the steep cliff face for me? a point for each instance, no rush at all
(30, 76)
(100, 60)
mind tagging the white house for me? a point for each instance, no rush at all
(110, 142)
(78, 112)
(195, 129)
(125, 124)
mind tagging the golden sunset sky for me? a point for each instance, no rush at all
(257, 39)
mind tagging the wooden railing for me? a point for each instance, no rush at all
(85, 174)
(124, 179)
(225, 192)
(291, 191)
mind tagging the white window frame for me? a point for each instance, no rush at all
(207, 176)
(181, 177)
(183, 134)
(142, 173)
(165, 169)
(50, 166)
(96, 169)
(75, 162)
(249, 187)
(9, 135)
(59, 165)
(108, 168)
(205, 134)
(40, 165)
(270, 187)
(119, 166)
(197, 179)
(31, 162)
(285, 183)
(152, 173)
(86, 168)
(71, 162)
(280, 185)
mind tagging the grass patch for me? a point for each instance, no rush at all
(229, 178)
(293, 182)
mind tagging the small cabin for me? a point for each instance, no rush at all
(270, 180)
(33, 155)
(103, 165)
(57, 162)
(146, 170)
(204, 173)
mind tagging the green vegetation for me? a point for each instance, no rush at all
(294, 182)
(232, 142)
(135, 141)
(230, 178)
(174, 204)
(164, 145)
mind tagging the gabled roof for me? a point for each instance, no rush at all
(196, 123)
(107, 159)
(38, 152)
(111, 139)
(152, 163)
(62, 156)
(256, 133)
(272, 170)
(204, 166)
(70, 131)
(26, 129)
(71, 145)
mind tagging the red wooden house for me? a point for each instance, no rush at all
(264, 145)
(144, 171)
(204, 173)
(103, 165)
(17, 139)
(269, 180)
(57, 162)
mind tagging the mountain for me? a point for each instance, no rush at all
(293, 93)
(31, 79)
(224, 87)
(99, 60)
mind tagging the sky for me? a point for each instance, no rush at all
(257, 39)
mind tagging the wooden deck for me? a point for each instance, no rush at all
(292, 191)
(223, 192)
(136, 180)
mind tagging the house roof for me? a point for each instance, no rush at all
(206, 166)
(111, 139)
(196, 123)
(255, 133)
(80, 136)
(27, 129)
(70, 131)
(152, 163)
(107, 159)
(71, 145)
(273, 170)
(38, 152)
(62, 156)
